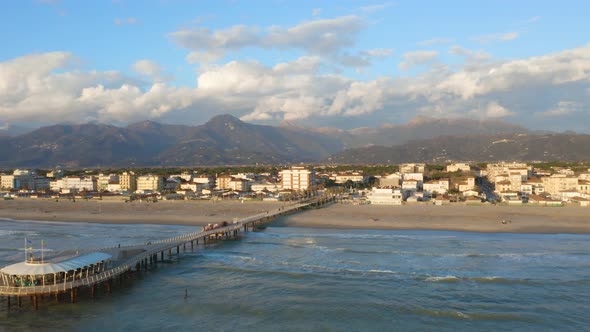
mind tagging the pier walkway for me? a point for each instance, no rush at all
(125, 259)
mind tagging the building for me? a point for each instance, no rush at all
(463, 167)
(19, 179)
(128, 181)
(557, 183)
(195, 187)
(465, 183)
(262, 186)
(297, 178)
(207, 180)
(392, 180)
(222, 181)
(412, 168)
(386, 196)
(103, 181)
(74, 184)
(354, 177)
(440, 186)
(150, 183)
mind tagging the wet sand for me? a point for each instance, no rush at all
(520, 219)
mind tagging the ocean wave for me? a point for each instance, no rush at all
(462, 315)
(480, 279)
(442, 279)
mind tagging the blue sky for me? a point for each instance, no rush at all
(319, 63)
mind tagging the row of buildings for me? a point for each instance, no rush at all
(295, 179)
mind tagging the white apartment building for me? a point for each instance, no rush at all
(19, 179)
(104, 179)
(74, 184)
(412, 168)
(463, 167)
(556, 183)
(386, 196)
(150, 183)
(261, 186)
(194, 186)
(204, 179)
(440, 186)
(128, 181)
(354, 177)
(297, 178)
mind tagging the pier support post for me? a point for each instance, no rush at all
(184, 247)
(8, 302)
(170, 252)
(178, 249)
(73, 295)
(109, 284)
(92, 290)
(192, 245)
(162, 256)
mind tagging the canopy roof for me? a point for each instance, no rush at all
(28, 269)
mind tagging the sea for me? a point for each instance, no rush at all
(306, 279)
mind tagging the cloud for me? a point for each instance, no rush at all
(316, 11)
(327, 37)
(53, 87)
(126, 21)
(434, 41)
(152, 70)
(562, 108)
(531, 20)
(376, 7)
(415, 58)
(493, 110)
(501, 37)
(378, 52)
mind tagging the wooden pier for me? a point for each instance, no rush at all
(134, 258)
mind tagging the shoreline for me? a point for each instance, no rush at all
(460, 218)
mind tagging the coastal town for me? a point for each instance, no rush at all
(504, 183)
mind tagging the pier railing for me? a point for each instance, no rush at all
(150, 250)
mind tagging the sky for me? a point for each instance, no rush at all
(340, 64)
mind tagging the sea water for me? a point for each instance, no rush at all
(305, 279)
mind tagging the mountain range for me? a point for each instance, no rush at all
(226, 140)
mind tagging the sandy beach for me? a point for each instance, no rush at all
(118, 212)
(521, 219)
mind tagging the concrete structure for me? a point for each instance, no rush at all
(440, 186)
(103, 181)
(391, 180)
(150, 183)
(297, 178)
(128, 181)
(412, 168)
(463, 167)
(386, 196)
(73, 184)
(354, 177)
(557, 183)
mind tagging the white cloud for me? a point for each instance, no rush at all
(326, 37)
(434, 41)
(417, 58)
(376, 7)
(51, 86)
(562, 108)
(378, 52)
(316, 11)
(126, 21)
(493, 110)
(502, 37)
(152, 70)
